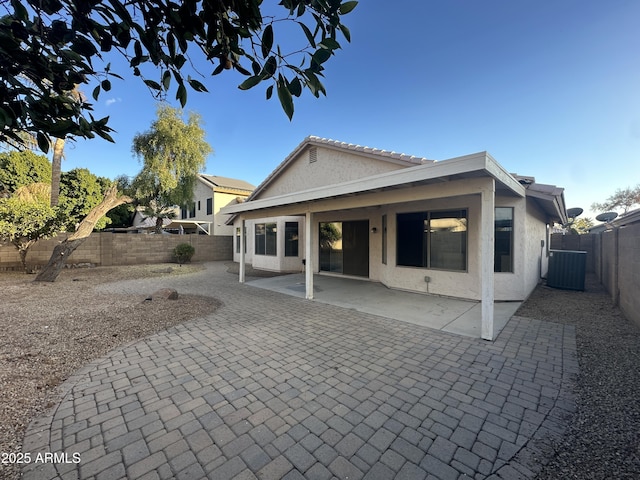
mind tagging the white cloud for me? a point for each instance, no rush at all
(111, 101)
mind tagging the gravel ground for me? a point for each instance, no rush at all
(51, 330)
(603, 440)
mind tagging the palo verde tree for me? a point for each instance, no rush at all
(173, 152)
(51, 47)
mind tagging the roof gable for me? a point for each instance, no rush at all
(319, 162)
(226, 185)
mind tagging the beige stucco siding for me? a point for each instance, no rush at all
(536, 253)
(200, 194)
(221, 200)
(331, 167)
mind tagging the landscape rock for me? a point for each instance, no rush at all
(165, 294)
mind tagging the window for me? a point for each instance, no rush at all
(503, 246)
(192, 213)
(198, 205)
(266, 239)
(209, 206)
(183, 213)
(291, 239)
(435, 240)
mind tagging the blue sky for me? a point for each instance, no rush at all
(550, 88)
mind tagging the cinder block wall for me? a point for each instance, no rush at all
(582, 243)
(123, 249)
(615, 259)
(629, 271)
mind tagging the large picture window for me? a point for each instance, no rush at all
(291, 239)
(503, 253)
(265, 239)
(436, 240)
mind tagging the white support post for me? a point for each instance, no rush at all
(487, 232)
(308, 255)
(242, 250)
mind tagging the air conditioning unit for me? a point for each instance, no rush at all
(567, 269)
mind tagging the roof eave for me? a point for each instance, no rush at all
(479, 162)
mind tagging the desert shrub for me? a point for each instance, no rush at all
(183, 253)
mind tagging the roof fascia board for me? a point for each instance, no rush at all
(472, 186)
(478, 162)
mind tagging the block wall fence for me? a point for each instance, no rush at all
(107, 249)
(614, 256)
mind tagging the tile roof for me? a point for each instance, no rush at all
(363, 149)
(228, 183)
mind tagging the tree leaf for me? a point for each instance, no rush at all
(181, 95)
(308, 34)
(250, 82)
(267, 40)
(330, 43)
(346, 7)
(153, 85)
(345, 31)
(285, 97)
(43, 142)
(166, 79)
(106, 85)
(295, 87)
(270, 68)
(96, 92)
(269, 92)
(196, 85)
(321, 55)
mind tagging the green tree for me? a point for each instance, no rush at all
(622, 199)
(27, 217)
(122, 215)
(50, 47)
(80, 192)
(173, 152)
(581, 226)
(18, 169)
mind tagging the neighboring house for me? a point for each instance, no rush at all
(462, 227)
(211, 193)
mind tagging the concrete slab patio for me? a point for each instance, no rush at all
(272, 386)
(447, 314)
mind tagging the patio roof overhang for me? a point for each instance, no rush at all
(478, 165)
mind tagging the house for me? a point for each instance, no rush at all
(203, 216)
(462, 227)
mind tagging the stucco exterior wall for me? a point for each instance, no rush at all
(331, 167)
(537, 258)
(221, 200)
(202, 192)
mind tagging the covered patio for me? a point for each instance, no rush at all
(461, 317)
